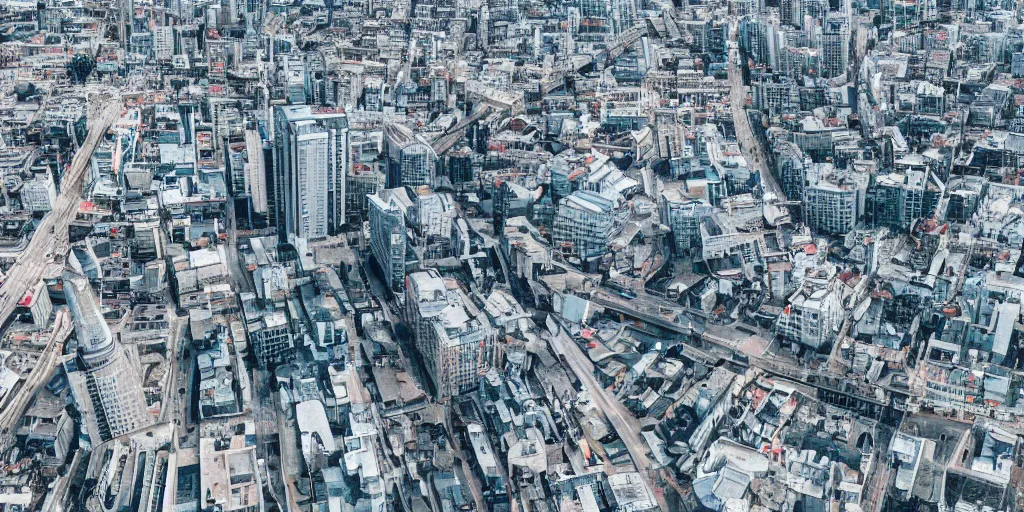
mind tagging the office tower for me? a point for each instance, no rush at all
(425, 297)
(255, 171)
(272, 340)
(830, 207)
(897, 200)
(625, 14)
(454, 339)
(312, 163)
(387, 239)
(410, 159)
(460, 166)
(104, 382)
(758, 37)
(583, 225)
(789, 12)
(362, 182)
(684, 215)
(835, 45)
(163, 43)
(593, 25)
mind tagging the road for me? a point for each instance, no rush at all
(624, 423)
(265, 417)
(40, 375)
(52, 232)
(749, 145)
(454, 135)
(237, 271)
(177, 368)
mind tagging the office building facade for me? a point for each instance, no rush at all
(104, 382)
(411, 160)
(583, 225)
(388, 239)
(312, 163)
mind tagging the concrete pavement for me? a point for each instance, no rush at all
(749, 145)
(624, 423)
(52, 231)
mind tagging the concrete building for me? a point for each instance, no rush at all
(811, 318)
(104, 381)
(272, 340)
(388, 239)
(832, 200)
(453, 337)
(362, 182)
(39, 194)
(584, 223)
(312, 165)
(229, 475)
(897, 200)
(834, 43)
(683, 216)
(410, 159)
(426, 296)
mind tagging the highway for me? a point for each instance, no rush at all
(51, 235)
(624, 423)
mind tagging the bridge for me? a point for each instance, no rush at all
(16, 405)
(556, 78)
(831, 388)
(455, 134)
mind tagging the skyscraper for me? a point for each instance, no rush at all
(410, 159)
(311, 164)
(104, 382)
(387, 239)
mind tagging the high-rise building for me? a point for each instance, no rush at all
(410, 159)
(272, 339)
(835, 45)
(388, 239)
(104, 382)
(312, 163)
(362, 182)
(830, 207)
(455, 340)
(683, 215)
(897, 200)
(255, 171)
(583, 225)
(426, 296)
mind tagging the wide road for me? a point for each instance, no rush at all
(749, 145)
(52, 231)
(624, 423)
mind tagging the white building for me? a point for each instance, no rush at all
(312, 153)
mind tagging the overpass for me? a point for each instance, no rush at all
(17, 404)
(556, 78)
(832, 388)
(455, 134)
